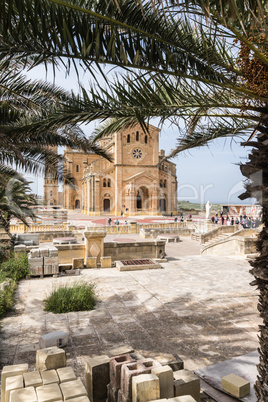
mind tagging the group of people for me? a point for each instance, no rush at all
(116, 222)
(189, 217)
(245, 221)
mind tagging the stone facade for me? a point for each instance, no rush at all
(51, 186)
(134, 182)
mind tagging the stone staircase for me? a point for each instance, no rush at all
(215, 240)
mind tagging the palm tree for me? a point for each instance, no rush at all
(25, 143)
(15, 201)
(204, 61)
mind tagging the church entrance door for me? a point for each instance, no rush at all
(77, 204)
(162, 205)
(106, 205)
(142, 198)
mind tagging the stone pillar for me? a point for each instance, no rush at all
(97, 195)
(95, 244)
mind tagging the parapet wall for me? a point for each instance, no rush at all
(117, 251)
(234, 245)
(137, 250)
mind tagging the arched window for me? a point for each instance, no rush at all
(137, 136)
(104, 183)
(165, 183)
(128, 138)
(77, 168)
(146, 139)
(109, 183)
(51, 193)
(166, 168)
(161, 185)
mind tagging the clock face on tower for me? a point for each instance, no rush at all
(137, 153)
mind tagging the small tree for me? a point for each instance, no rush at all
(15, 201)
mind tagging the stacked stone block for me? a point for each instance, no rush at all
(43, 261)
(56, 384)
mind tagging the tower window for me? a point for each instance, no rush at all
(51, 193)
(137, 136)
(104, 183)
(161, 185)
(109, 183)
(128, 138)
(146, 139)
(77, 168)
(165, 183)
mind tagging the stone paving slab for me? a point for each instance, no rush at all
(199, 307)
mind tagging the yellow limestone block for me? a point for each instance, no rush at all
(13, 383)
(11, 371)
(235, 385)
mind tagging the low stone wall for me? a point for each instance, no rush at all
(69, 251)
(151, 233)
(234, 245)
(117, 251)
(126, 251)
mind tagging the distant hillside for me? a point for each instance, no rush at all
(187, 205)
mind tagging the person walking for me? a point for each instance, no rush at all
(109, 221)
(222, 220)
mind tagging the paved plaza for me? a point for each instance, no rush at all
(199, 307)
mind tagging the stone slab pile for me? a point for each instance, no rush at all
(51, 382)
(123, 375)
(43, 261)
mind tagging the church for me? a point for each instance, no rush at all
(136, 182)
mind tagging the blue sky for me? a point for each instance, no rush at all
(204, 174)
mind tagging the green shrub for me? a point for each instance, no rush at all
(15, 268)
(80, 296)
(7, 289)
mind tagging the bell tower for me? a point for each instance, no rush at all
(51, 185)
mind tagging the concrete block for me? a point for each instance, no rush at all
(36, 266)
(53, 252)
(43, 251)
(112, 393)
(23, 395)
(34, 253)
(235, 385)
(49, 377)
(115, 366)
(91, 262)
(80, 399)
(131, 370)
(120, 350)
(78, 263)
(32, 379)
(11, 371)
(145, 387)
(13, 383)
(186, 383)
(50, 358)
(51, 265)
(66, 374)
(165, 375)
(106, 262)
(55, 338)
(97, 377)
(73, 389)
(171, 360)
(49, 393)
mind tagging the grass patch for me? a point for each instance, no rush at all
(77, 297)
(7, 289)
(15, 268)
(11, 271)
